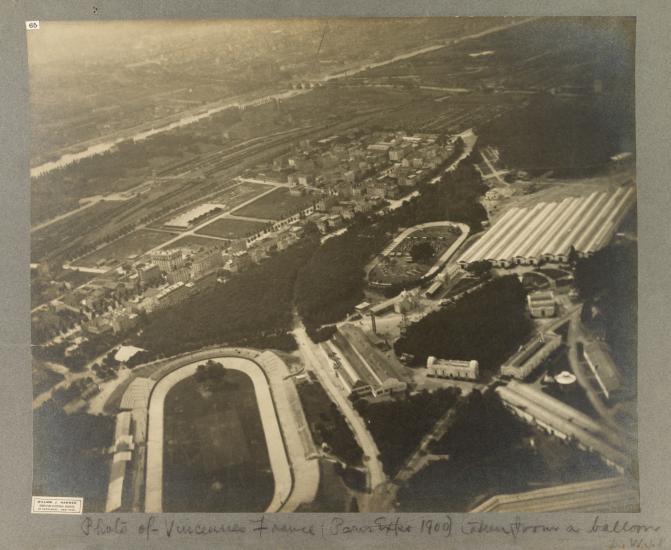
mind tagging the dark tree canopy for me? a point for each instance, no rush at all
(489, 454)
(569, 137)
(252, 308)
(608, 280)
(487, 325)
(69, 453)
(422, 252)
(332, 282)
(398, 426)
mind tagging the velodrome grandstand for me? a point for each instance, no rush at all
(548, 230)
(600, 495)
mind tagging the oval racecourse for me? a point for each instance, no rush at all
(277, 453)
(386, 270)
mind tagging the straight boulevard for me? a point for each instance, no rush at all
(315, 359)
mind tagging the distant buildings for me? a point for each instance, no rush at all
(379, 147)
(205, 261)
(452, 368)
(172, 294)
(542, 303)
(179, 275)
(433, 289)
(123, 321)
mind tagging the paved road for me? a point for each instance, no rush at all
(316, 360)
(70, 377)
(493, 171)
(582, 374)
(384, 498)
(470, 139)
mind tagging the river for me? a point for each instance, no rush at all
(100, 148)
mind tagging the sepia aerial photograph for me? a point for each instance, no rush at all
(335, 265)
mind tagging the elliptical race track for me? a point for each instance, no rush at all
(291, 453)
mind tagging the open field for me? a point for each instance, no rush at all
(230, 196)
(72, 235)
(275, 206)
(134, 244)
(517, 58)
(215, 455)
(228, 228)
(423, 113)
(194, 242)
(62, 233)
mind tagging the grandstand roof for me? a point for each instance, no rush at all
(137, 394)
(566, 419)
(601, 495)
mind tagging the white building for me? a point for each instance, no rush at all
(167, 260)
(542, 303)
(452, 368)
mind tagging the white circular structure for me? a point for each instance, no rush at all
(565, 378)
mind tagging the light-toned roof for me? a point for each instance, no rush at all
(586, 223)
(184, 219)
(611, 494)
(565, 377)
(126, 352)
